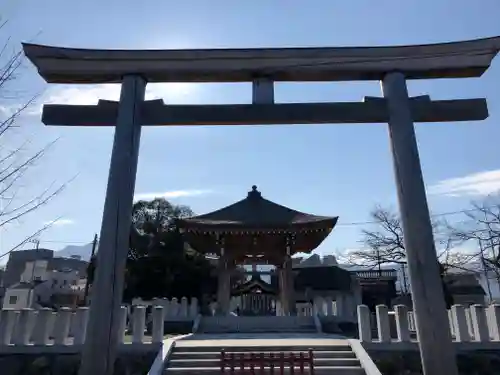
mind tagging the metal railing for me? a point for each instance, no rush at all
(255, 363)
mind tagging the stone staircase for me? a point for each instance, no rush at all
(257, 324)
(205, 360)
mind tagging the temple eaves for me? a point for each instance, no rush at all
(257, 214)
(445, 60)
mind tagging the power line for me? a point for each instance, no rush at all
(357, 223)
(349, 224)
(66, 242)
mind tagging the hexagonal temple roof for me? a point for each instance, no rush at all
(256, 225)
(257, 213)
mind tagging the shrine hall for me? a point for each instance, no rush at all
(255, 231)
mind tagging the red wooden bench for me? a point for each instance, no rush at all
(254, 363)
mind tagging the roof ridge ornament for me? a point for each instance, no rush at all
(254, 193)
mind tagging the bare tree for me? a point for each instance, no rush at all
(482, 227)
(17, 160)
(385, 244)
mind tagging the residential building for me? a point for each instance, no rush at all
(42, 287)
(16, 264)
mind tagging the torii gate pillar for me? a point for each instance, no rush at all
(423, 266)
(102, 332)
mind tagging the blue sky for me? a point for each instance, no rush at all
(339, 170)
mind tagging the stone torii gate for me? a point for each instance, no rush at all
(390, 65)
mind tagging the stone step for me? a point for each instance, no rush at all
(318, 362)
(323, 370)
(216, 354)
(262, 348)
(256, 330)
(257, 324)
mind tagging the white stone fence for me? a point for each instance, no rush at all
(173, 309)
(341, 308)
(69, 327)
(478, 323)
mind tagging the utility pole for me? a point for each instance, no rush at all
(493, 252)
(405, 283)
(485, 271)
(35, 241)
(379, 263)
(87, 283)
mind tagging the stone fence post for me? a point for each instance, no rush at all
(139, 324)
(383, 327)
(364, 325)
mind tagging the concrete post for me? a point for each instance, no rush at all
(99, 353)
(460, 322)
(158, 324)
(44, 326)
(364, 326)
(468, 320)
(63, 321)
(82, 318)
(7, 325)
(402, 327)
(452, 324)
(480, 323)
(383, 327)
(139, 323)
(436, 348)
(494, 323)
(122, 319)
(25, 326)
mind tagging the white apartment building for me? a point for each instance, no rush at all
(42, 287)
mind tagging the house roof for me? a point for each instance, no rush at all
(322, 278)
(255, 284)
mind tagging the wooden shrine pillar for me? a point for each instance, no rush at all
(287, 291)
(290, 290)
(282, 290)
(433, 333)
(224, 281)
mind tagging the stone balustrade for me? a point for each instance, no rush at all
(324, 306)
(343, 307)
(477, 323)
(173, 309)
(68, 327)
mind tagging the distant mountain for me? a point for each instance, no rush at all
(84, 251)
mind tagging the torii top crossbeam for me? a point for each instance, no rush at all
(444, 60)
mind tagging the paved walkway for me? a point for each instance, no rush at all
(261, 339)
